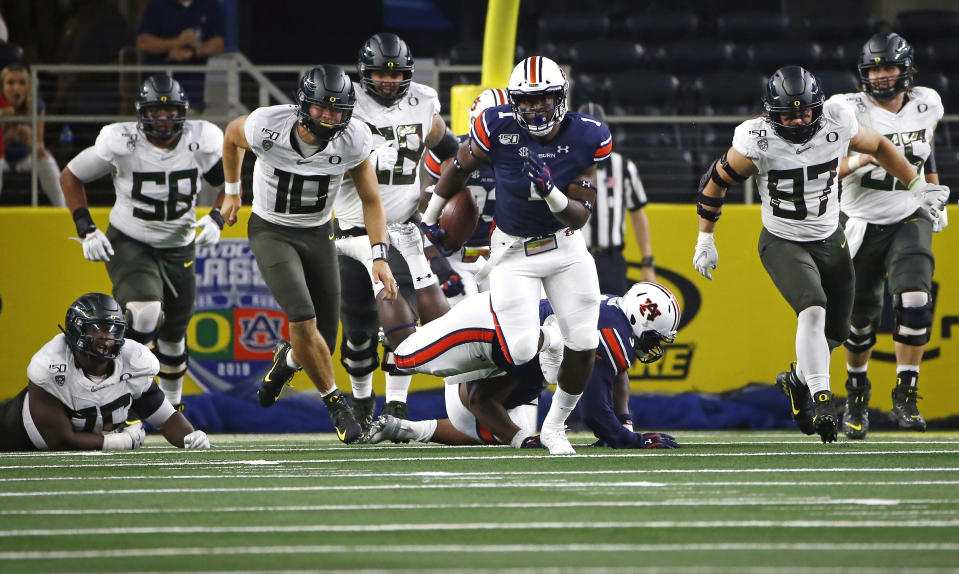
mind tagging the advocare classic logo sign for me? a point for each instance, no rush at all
(236, 322)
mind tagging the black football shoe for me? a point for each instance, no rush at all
(279, 375)
(855, 420)
(905, 411)
(825, 417)
(344, 421)
(798, 393)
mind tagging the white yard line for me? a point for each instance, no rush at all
(440, 458)
(775, 502)
(750, 547)
(308, 473)
(475, 485)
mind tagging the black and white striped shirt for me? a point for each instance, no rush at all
(618, 189)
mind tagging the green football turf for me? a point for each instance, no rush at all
(725, 502)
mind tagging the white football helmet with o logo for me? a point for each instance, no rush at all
(654, 314)
(532, 79)
(487, 99)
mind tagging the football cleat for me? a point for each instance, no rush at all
(798, 393)
(554, 439)
(364, 410)
(388, 427)
(347, 429)
(406, 238)
(855, 420)
(532, 442)
(279, 375)
(905, 411)
(399, 410)
(825, 417)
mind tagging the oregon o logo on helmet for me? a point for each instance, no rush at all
(332, 98)
(390, 65)
(797, 103)
(162, 98)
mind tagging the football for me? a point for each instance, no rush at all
(458, 219)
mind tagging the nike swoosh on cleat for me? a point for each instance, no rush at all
(340, 434)
(188, 263)
(852, 426)
(331, 237)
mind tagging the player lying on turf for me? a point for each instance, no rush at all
(486, 398)
(83, 385)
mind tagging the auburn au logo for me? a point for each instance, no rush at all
(650, 310)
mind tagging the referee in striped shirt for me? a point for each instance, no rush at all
(619, 190)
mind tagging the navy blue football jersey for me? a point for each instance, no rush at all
(582, 142)
(482, 185)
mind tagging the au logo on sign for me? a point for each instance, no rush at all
(236, 323)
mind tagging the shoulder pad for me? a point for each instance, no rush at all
(49, 361)
(114, 139)
(210, 136)
(139, 359)
(423, 91)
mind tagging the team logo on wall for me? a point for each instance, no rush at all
(236, 323)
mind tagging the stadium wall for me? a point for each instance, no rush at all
(736, 329)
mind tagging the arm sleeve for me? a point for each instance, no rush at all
(152, 406)
(214, 176)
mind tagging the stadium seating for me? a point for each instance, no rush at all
(839, 26)
(752, 26)
(735, 93)
(572, 27)
(693, 57)
(838, 82)
(606, 56)
(928, 25)
(661, 27)
(767, 57)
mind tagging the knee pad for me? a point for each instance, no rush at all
(860, 339)
(143, 320)
(359, 355)
(172, 367)
(913, 318)
(583, 338)
(523, 349)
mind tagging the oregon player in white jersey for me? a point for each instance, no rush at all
(302, 153)
(404, 118)
(890, 236)
(156, 164)
(84, 384)
(794, 150)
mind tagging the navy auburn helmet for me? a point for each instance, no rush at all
(386, 53)
(326, 86)
(886, 50)
(793, 89)
(90, 318)
(161, 91)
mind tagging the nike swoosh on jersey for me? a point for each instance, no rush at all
(188, 263)
(799, 151)
(302, 161)
(331, 237)
(843, 244)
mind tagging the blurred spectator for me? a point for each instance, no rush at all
(182, 32)
(18, 140)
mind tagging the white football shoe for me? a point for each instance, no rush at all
(388, 427)
(554, 439)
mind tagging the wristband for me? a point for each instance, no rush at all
(217, 217)
(647, 261)
(432, 212)
(556, 200)
(83, 221)
(117, 441)
(380, 251)
(916, 185)
(231, 188)
(853, 163)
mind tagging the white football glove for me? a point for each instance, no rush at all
(931, 196)
(209, 232)
(941, 223)
(128, 438)
(706, 257)
(196, 439)
(96, 246)
(384, 157)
